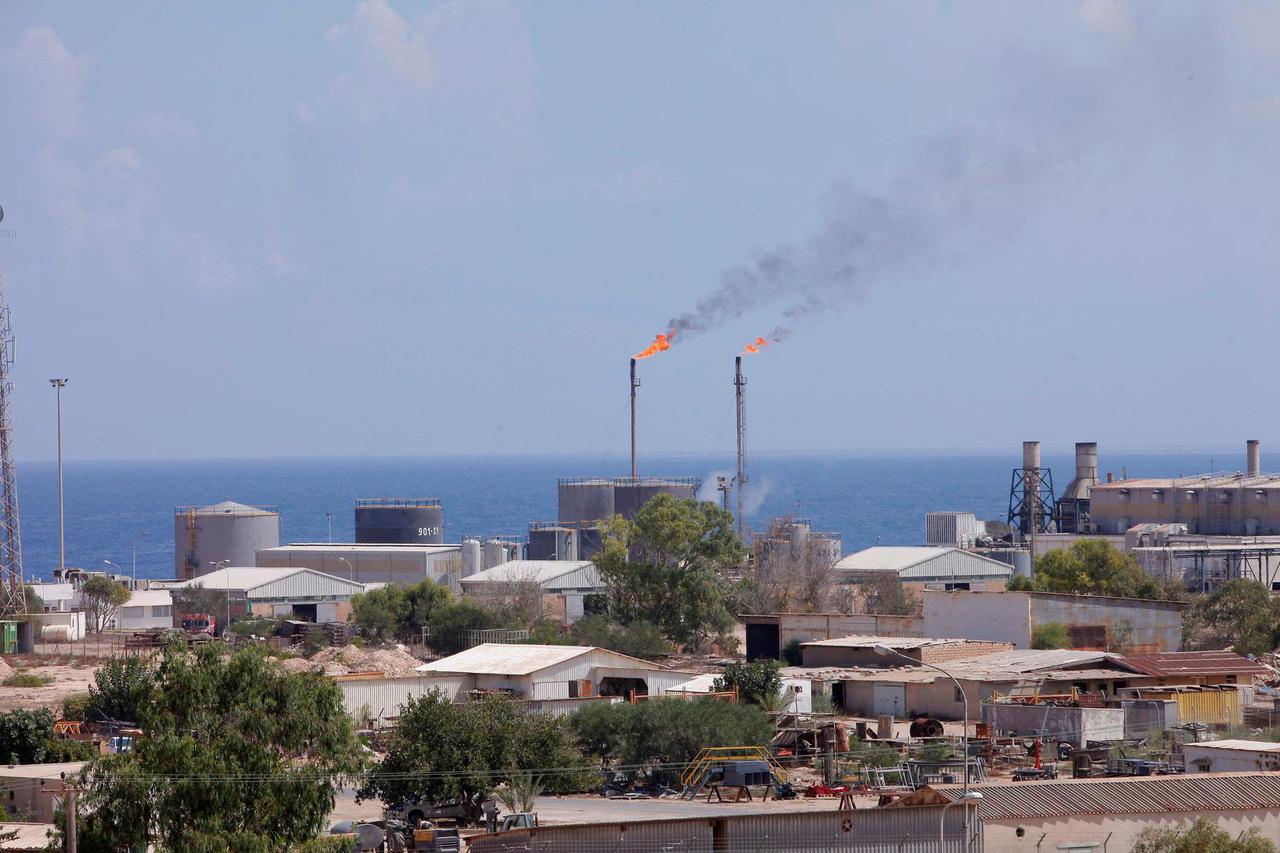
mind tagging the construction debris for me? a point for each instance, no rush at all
(394, 663)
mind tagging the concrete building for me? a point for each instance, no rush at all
(565, 587)
(767, 634)
(402, 564)
(57, 597)
(921, 567)
(1227, 756)
(859, 650)
(29, 789)
(553, 674)
(1093, 621)
(1219, 504)
(1107, 814)
(302, 594)
(145, 609)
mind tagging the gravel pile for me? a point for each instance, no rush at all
(396, 663)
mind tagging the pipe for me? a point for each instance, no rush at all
(1253, 454)
(634, 385)
(740, 404)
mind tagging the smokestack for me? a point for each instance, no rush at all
(635, 383)
(1253, 455)
(1086, 462)
(740, 406)
(1030, 485)
(1030, 454)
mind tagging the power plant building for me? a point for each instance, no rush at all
(1234, 504)
(224, 534)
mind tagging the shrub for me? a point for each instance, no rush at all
(756, 681)
(1050, 635)
(791, 654)
(74, 707)
(27, 679)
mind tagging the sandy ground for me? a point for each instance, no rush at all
(70, 677)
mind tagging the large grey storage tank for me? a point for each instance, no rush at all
(227, 533)
(550, 541)
(585, 500)
(630, 495)
(399, 521)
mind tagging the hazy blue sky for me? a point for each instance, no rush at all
(336, 228)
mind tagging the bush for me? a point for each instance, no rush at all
(27, 679)
(1050, 635)
(120, 686)
(791, 653)
(756, 682)
(74, 707)
(25, 736)
(639, 639)
(665, 733)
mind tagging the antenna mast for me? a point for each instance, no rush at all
(13, 599)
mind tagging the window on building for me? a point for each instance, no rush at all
(959, 695)
(131, 612)
(162, 610)
(573, 689)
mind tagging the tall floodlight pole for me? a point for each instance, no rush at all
(13, 600)
(635, 383)
(58, 385)
(739, 383)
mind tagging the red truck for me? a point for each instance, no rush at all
(199, 623)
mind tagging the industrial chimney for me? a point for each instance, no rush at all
(635, 383)
(1086, 467)
(1030, 485)
(1253, 455)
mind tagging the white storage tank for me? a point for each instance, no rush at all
(228, 533)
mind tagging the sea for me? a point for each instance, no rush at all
(115, 507)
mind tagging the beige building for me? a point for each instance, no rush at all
(921, 567)
(30, 791)
(1130, 625)
(562, 590)
(767, 634)
(402, 564)
(1227, 756)
(859, 650)
(1109, 814)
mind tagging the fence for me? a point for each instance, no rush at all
(101, 645)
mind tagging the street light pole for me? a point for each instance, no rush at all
(969, 797)
(58, 385)
(226, 592)
(351, 572)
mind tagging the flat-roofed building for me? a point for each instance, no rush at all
(400, 564)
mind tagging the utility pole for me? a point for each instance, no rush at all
(58, 385)
(71, 793)
(13, 600)
(722, 483)
(635, 383)
(739, 383)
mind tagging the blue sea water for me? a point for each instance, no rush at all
(865, 498)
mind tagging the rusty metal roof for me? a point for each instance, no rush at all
(1191, 792)
(1194, 663)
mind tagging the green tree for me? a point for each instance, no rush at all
(120, 686)
(884, 595)
(1240, 614)
(1094, 567)
(441, 752)
(102, 597)
(668, 566)
(757, 681)
(25, 735)
(34, 603)
(1050, 635)
(1202, 837)
(380, 614)
(201, 599)
(1019, 583)
(664, 734)
(236, 749)
(639, 639)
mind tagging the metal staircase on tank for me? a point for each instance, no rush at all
(698, 772)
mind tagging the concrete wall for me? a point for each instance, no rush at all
(1073, 725)
(403, 566)
(1152, 626)
(1117, 832)
(857, 656)
(931, 699)
(1003, 617)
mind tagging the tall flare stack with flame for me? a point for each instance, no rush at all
(661, 343)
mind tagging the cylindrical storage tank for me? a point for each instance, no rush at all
(472, 557)
(399, 521)
(495, 553)
(55, 634)
(630, 495)
(585, 500)
(590, 542)
(545, 542)
(224, 534)
(1253, 457)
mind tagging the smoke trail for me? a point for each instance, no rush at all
(1157, 85)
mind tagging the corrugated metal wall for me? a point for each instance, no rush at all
(906, 830)
(305, 585)
(385, 696)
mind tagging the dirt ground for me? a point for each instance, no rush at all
(71, 676)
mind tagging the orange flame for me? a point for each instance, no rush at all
(755, 346)
(661, 343)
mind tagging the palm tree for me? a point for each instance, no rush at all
(519, 793)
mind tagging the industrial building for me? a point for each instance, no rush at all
(225, 534)
(1217, 504)
(303, 594)
(1106, 814)
(555, 674)
(399, 521)
(953, 529)
(767, 634)
(1197, 669)
(1093, 621)
(860, 650)
(1230, 756)
(556, 540)
(565, 587)
(600, 499)
(925, 567)
(399, 564)
(792, 542)
(57, 597)
(145, 609)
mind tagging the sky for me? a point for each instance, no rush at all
(393, 228)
